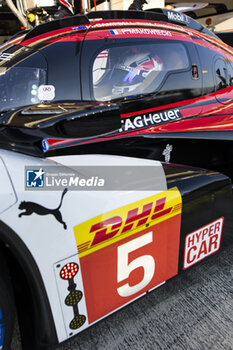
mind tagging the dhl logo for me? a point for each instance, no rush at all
(119, 223)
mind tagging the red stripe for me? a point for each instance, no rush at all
(174, 105)
(84, 244)
(52, 34)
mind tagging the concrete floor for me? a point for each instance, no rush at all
(193, 311)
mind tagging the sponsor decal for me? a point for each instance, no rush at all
(68, 272)
(167, 152)
(115, 225)
(202, 242)
(128, 251)
(31, 207)
(150, 119)
(178, 17)
(46, 92)
(69, 283)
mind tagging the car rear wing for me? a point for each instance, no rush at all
(162, 15)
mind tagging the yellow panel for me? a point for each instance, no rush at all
(125, 221)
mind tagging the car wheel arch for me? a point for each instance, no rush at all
(34, 314)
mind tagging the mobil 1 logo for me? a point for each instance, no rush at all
(149, 119)
(177, 17)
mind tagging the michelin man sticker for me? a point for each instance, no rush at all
(46, 92)
(167, 152)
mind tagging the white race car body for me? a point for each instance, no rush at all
(46, 239)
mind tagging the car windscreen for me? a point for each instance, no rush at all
(20, 86)
(23, 76)
(129, 70)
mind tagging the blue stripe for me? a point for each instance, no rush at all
(1, 329)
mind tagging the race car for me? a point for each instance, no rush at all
(108, 122)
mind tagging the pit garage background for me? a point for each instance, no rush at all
(217, 15)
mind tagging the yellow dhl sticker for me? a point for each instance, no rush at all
(110, 227)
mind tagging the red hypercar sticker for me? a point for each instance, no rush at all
(128, 251)
(202, 242)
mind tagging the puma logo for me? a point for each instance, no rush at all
(31, 207)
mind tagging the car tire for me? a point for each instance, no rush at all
(7, 309)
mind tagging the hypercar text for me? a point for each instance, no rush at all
(203, 242)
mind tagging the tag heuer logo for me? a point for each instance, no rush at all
(35, 178)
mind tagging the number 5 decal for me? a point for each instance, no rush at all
(124, 268)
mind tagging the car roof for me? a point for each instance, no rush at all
(101, 24)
